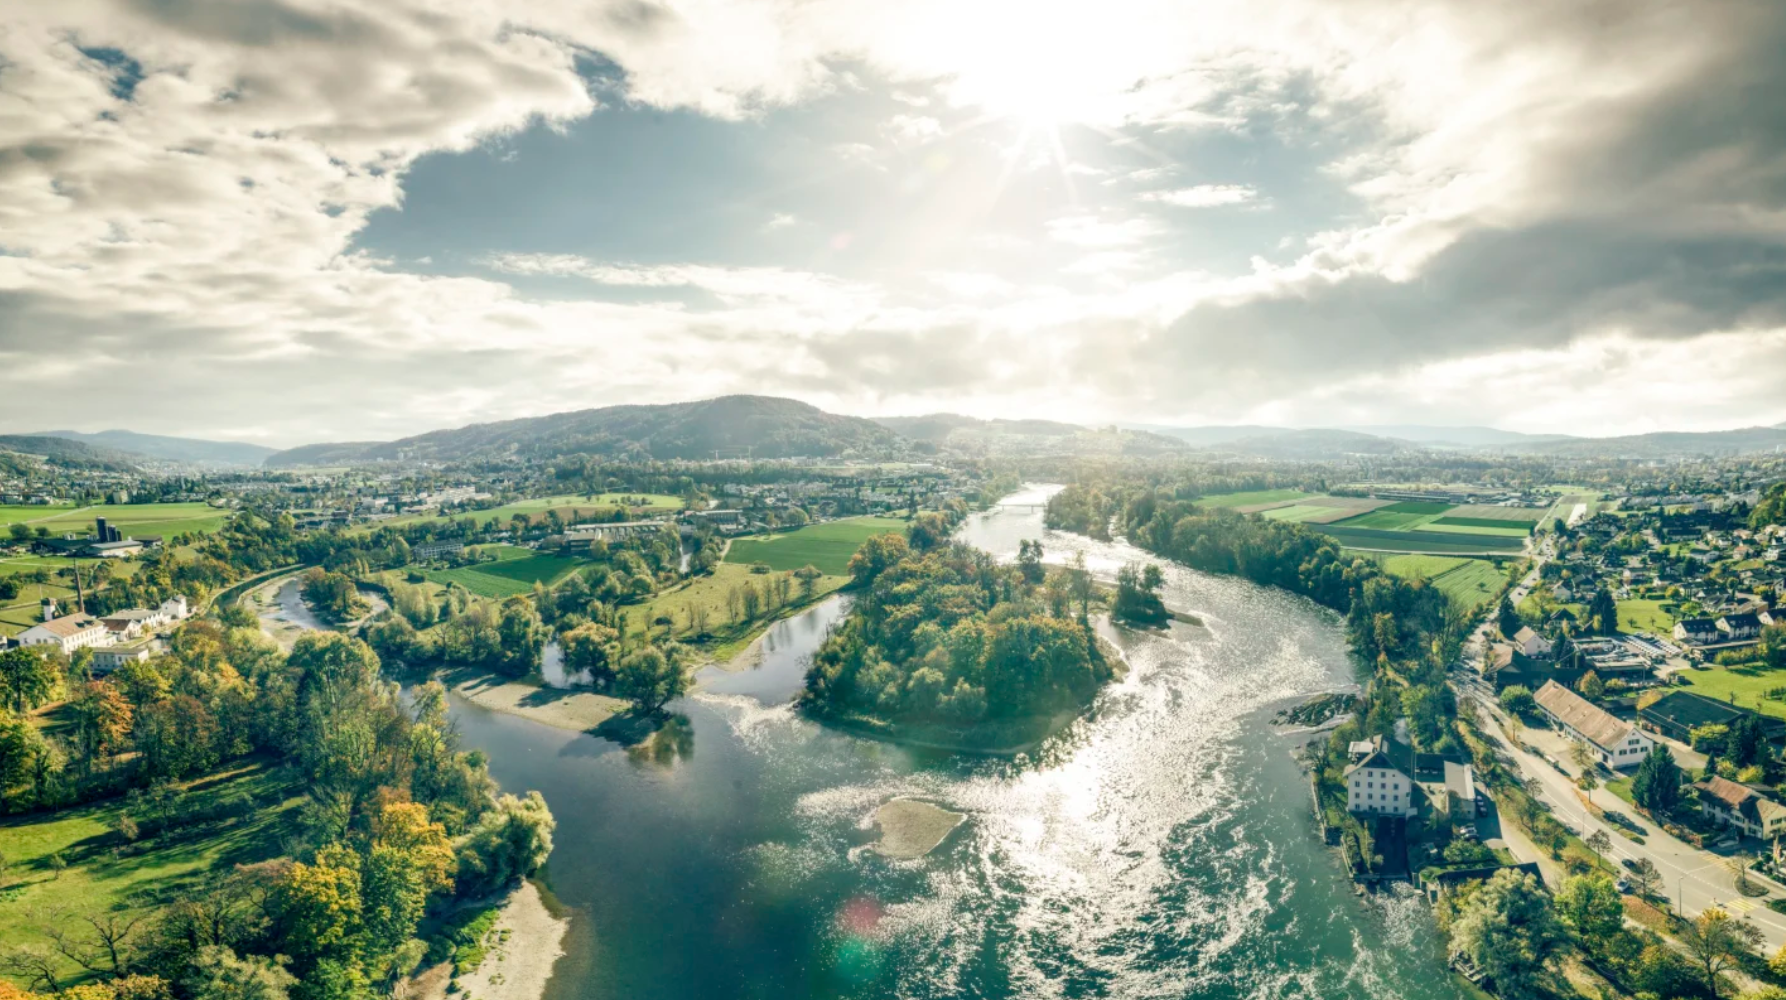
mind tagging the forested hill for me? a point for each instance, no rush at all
(958, 433)
(171, 449)
(730, 426)
(68, 454)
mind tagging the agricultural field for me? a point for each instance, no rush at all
(1490, 512)
(710, 592)
(1317, 509)
(827, 546)
(105, 872)
(1468, 583)
(1419, 541)
(514, 572)
(130, 518)
(1505, 529)
(1252, 498)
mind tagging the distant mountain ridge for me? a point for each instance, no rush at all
(729, 427)
(1029, 437)
(173, 449)
(1663, 444)
(70, 454)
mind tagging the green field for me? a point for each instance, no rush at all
(507, 577)
(710, 592)
(1642, 615)
(1486, 522)
(1298, 512)
(1468, 583)
(1389, 519)
(827, 546)
(1745, 687)
(1418, 541)
(1253, 498)
(105, 872)
(130, 518)
(1446, 526)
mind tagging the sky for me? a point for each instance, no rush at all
(298, 221)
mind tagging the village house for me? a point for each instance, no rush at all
(1531, 644)
(110, 658)
(1740, 806)
(1740, 626)
(436, 549)
(1615, 743)
(1375, 784)
(68, 633)
(1696, 631)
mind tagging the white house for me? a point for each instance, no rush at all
(111, 658)
(174, 609)
(1530, 643)
(1375, 786)
(1743, 626)
(68, 633)
(1614, 743)
(1697, 631)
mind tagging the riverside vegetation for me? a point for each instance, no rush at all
(946, 646)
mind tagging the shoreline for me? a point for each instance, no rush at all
(577, 710)
(525, 945)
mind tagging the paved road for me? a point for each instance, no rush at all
(1694, 879)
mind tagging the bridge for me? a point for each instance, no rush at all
(1021, 506)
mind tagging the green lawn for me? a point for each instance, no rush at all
(1299, 512)
(710, 591)
(1420, 566)
(130, 518)
(1745, 687)
(104, 871)
(10, 513)
(1390, 519)
(1643, 615)
(827, 546)
(1253, 498)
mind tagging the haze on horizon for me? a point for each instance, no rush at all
(298, 221)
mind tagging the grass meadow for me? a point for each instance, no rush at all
(827, 546)
(1252, 498)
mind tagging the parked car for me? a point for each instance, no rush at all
(1623, 885)
(1630, 863)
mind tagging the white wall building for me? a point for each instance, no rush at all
(1614, 743)
(68, 633)
(1375, 786)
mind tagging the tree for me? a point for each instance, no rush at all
(1589, 905)
(1137, 598)
(1716, 943)
(102, 720)
(1508, 929)
(1603, 611)
(590, 648)
(1657, 784)
(1591, 686)
(27, 680)
(1516, 700)
(1029, 561)
(808, 575)
(874, 557)
(318, 906)
(651, 678)
(1506, 619)
(216, 973)
(1646, 878)
(1600, 843)
(510, 841)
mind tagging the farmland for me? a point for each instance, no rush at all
(513, 572)
(1252, 499)
(130, 518)
(1468, 583)
(1419, 541)
(827, 546)
(1745, 687)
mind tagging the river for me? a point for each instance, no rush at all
(1162, 848)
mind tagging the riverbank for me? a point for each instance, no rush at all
(524, 945)
(575, 709)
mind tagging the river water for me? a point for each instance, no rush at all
(1165, 847)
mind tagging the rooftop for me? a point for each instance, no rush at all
(1581, 715)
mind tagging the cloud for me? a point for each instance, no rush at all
(1471, 192)
(1203, 196)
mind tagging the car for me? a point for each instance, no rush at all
(1623, 885)
(1630, 863)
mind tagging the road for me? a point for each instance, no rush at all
(1693, 879)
